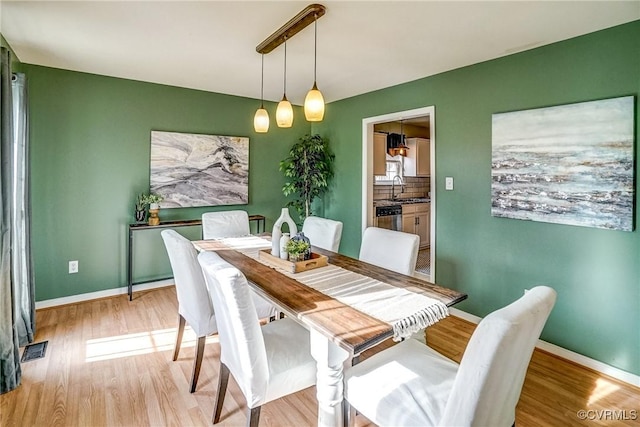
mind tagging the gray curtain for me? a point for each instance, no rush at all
(24, 288)
(10, 372)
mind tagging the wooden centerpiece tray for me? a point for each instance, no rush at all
(315, 261)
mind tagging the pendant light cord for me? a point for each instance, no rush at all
(315, 45)
(262, 84)
(285, 67)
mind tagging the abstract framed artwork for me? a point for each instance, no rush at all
(191, 170)
(569, 164)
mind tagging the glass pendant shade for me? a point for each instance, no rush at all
(261, 120)
(284, 113)
(314, 105)
(314, 102)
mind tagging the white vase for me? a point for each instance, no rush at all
(283, 246)
(276, 234)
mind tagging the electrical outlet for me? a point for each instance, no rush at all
(448, 183)
(73, 267)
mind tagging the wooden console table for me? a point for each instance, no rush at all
(259, 219)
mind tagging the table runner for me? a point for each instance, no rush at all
(406, 311)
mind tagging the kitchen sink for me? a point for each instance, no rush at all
(404, 201)
(398, 202)
(417, 200)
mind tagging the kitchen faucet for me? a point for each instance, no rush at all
(393, 186)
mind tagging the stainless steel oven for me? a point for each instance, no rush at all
(389, 217)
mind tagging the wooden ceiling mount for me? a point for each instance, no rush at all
(291, 28)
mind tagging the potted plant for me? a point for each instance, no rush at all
(297, 250)
(153, 201)
(308, 170)
(141, 204)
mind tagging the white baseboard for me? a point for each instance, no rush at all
(572, 356)
(101, 294)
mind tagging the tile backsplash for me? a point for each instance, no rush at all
(413, 187)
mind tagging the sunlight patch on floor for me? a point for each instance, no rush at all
(139, 343)
(603, 389)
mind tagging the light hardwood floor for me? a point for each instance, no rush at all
(108, 363)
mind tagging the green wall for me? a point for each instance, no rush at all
(90, 148)
(595, 272)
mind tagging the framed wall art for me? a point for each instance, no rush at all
(191, 170)
(569, 164)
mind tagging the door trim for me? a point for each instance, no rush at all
(368, 213)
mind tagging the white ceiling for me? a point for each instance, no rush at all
(362, 45)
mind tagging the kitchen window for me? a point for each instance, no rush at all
(394, 167)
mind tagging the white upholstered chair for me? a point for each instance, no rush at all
(194, 303)
(216, 225)
(412, 385)
(393, 250)
(323, 233)
(267, 362)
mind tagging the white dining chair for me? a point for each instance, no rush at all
(194, 303)
(411, 384)
(268, 361)
(393, 250)
(217, 225)
(322, 232)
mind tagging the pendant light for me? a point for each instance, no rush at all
(398, 148)
(261, 119)
(402, 148)
(314, 101)
(284, 112)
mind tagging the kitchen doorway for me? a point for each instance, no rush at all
(369, 126)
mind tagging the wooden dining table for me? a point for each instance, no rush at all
(338, 332)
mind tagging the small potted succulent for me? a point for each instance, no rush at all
(153, 201)
(297, 250)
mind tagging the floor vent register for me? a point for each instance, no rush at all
(34, 351)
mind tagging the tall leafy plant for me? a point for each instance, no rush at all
(308, 170)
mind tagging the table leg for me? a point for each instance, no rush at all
(329, 387)
(129, 266)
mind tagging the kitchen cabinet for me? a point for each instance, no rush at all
(379, 153)
(418, 159)
(416, 219)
